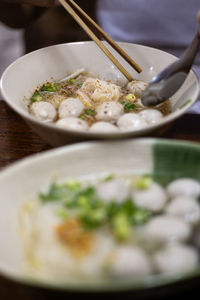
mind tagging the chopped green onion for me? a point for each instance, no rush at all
(109, 177)
(59, 193)
(113, 208)
(93, 200)
(51, 195)
(82, 116)
(140, 217)
(128, 207)
(121, 226)
(83, 202)
(89, 112)
(50, 87)
(92, 211)
(73, 185)
(144, 183)
(127, 105)
(62, 213)
(36, 97)
(185, 103)
(93, 218)
(130, 97)
(80, 85)
(88, 191)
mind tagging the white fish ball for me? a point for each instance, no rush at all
(43, 111)
(175, 259)
(128, 261)
(152, 116)
(163, 229)
(152, 198)
(184, 187)
(71, 107)
(113, 190)
(103, 127)
(72, 124)
(186, 208)
(109, 111)
(131, 121)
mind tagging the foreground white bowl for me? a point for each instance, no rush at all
(164, 159)
(23, 76)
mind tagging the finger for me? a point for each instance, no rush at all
(42, 3)
(198, 16)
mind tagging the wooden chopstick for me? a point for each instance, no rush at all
(129, 60)
(94, 37)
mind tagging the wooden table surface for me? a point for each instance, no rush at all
(17, 140)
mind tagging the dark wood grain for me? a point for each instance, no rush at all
(17, 140)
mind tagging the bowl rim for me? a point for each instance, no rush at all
(149, 282)
(87, 134)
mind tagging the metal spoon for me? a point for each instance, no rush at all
(166, 83)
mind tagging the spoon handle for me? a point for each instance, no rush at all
(190, 53)
(167, 82)
(183, 64)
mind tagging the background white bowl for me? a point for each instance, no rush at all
(23, 76)
(164, 159)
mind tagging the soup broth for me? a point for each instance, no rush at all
(83, 102)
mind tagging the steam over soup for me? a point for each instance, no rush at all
(116, 227)
(82, 102)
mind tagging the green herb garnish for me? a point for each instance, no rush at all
(62, 213)
(144, 183)
(185, 104)
(62, 193)
(50, 87)
(109, 177)
(92, 211)
(82, 116)
(140, 217)
(128, 105)
(130, 97)
(36, 97)
(127, 214)
(121, 226)
(73, 185)
(93, 218)
(89, 112)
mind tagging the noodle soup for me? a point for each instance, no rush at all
(86, 103)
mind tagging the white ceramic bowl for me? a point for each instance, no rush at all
(23, 76)
(21, 181)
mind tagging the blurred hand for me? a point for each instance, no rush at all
(41, 3)
(198, 16)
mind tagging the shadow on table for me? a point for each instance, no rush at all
(186, 290)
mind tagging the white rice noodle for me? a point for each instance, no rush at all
(73, 75)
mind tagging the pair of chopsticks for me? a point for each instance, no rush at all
(78, 14)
